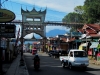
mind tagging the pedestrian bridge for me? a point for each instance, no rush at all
(49, 23)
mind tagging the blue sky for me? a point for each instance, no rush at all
(56, 9)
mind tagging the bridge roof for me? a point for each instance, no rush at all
(34, 11)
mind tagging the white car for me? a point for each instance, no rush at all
(75, 58)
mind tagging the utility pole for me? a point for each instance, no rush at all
(22, 40)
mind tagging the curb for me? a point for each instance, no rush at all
(26, 70)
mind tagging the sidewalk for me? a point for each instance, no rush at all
(94, 62)
(15, 69)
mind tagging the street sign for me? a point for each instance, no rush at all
(8, 30)
(6, 16)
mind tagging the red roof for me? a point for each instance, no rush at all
(90, 31)
(95, 27)
(34, 42)
(80, 30)
(90, 28)
(64, 39)
(72, 39)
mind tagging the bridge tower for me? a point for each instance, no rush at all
(34, 22)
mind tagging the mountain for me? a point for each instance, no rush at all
(55, 32)
(52, 33)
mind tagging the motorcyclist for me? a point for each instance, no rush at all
(36, 59)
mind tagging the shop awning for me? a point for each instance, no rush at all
(94, 45)
(84, 44)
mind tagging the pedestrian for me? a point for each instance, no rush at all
(88, 46)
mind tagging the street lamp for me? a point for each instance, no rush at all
(22, 60)
(44, 43)
(22, 40)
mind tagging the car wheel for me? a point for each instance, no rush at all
(63, 64)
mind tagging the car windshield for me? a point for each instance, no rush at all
(80, 54)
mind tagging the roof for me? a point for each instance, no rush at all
(90, 31)
(94, 45)
(72, 39)
(80, 30)
(75, 34)
(93, 27)
(33, 11)
(94, 35)
(83, 44)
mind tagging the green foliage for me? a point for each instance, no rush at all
(79, 9)
(91, 11)
(73, 18)
(88, 13)
(72, 29)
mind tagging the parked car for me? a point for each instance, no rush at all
(53, 53)
(63, 52)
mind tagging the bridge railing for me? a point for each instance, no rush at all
(49, 23)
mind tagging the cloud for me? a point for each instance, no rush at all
(59, 5)
(49, 28)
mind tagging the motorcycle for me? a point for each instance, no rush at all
(37, 65)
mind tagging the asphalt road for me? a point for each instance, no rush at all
(52, 66)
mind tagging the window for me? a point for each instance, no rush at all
(71, 54)
(80, 54)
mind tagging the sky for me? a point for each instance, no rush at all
(56, 9)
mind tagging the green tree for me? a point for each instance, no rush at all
(91, 11)
(74, 17)
(79, 9)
